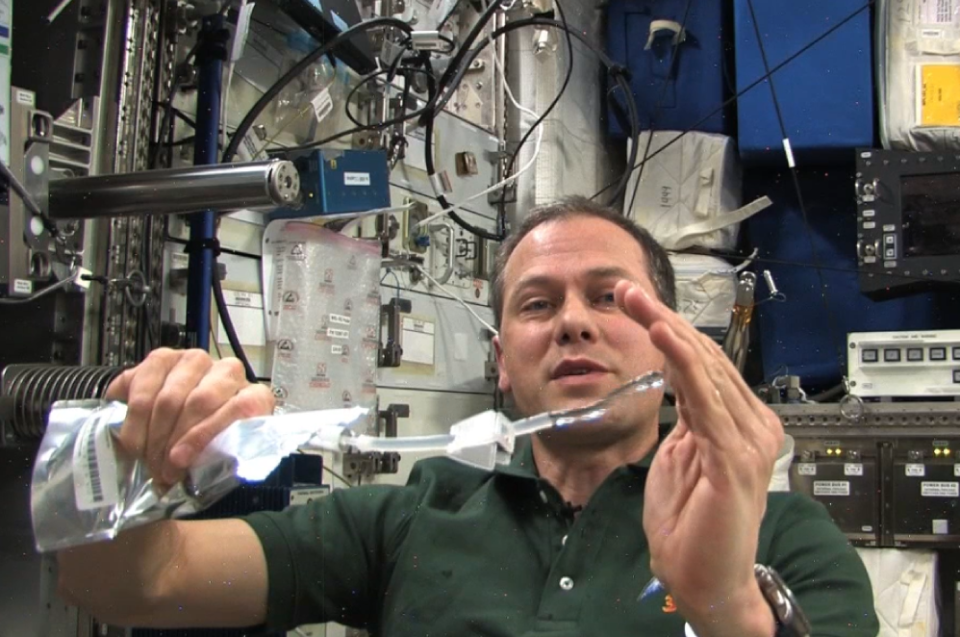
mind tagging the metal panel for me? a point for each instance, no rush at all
(135, 244)
(19, 562)
(574, 158)
(845, 483)
(925, 493)
(458, 347)
(452, 135)
(430, 413)
(472, 256)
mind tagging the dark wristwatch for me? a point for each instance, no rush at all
(791, 622)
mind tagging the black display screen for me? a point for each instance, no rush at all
(931, 214)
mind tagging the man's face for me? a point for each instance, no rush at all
(563, 341)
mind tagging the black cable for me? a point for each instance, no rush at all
(387, 123)
(502, 207)
(432, 172)
(229, 327)
(831, 320)
(299, 68)
(658, 109)
(457, 61)
(747, 88)
(615, 69)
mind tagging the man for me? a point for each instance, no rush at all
(561, 542)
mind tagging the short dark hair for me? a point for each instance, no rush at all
(659, 268)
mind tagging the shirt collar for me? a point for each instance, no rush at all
(522, 464)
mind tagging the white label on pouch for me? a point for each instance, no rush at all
(94, 468)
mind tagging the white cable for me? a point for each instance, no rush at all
(509, 180)
(456, 298)
(53, 15)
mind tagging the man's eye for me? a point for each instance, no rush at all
(606, 299)
(535, 306)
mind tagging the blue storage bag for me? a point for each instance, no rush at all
(797, 336)
(641, 38)
(825, 94)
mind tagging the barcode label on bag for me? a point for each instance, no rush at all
(94, 467)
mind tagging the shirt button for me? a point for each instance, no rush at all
(563, 542)
(566, 583)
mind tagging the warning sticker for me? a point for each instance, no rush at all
(94, 467)
(939, 95)
(831, 488)
(940, 489)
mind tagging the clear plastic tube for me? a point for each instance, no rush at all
(364, 443)
(485, 438)
(590, 413)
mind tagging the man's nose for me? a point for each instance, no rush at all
(576, 322)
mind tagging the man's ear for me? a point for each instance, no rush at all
(503, 378)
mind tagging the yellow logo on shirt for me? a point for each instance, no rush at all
(668, 605)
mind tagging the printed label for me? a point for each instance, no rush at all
(307, 495)
(339, 319)
(337, 350)
(940, 489)
(807, 469)
(956, 470)
(250, 145)
(94, 468)
(831, 488)
(322, 104)
(937, 11)
(26, 98)
(22, 286)
(916, 470)
(939, 95)
(335, 333)
(853, 469)
(356, 179)
(941, 527)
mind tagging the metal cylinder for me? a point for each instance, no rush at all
(28, 391)
(222, 187)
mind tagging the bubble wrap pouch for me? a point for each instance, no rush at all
(328, 330)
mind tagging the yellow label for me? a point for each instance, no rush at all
(940, 95)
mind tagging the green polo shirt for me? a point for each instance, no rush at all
(459, 551)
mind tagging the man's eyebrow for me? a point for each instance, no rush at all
(605, 272)
(610, 272)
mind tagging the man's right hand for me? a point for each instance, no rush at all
(177, 402)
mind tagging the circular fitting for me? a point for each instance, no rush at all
(284, 183)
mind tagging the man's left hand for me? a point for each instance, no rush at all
(706, 492)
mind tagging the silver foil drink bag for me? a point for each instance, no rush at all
(85, 489)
